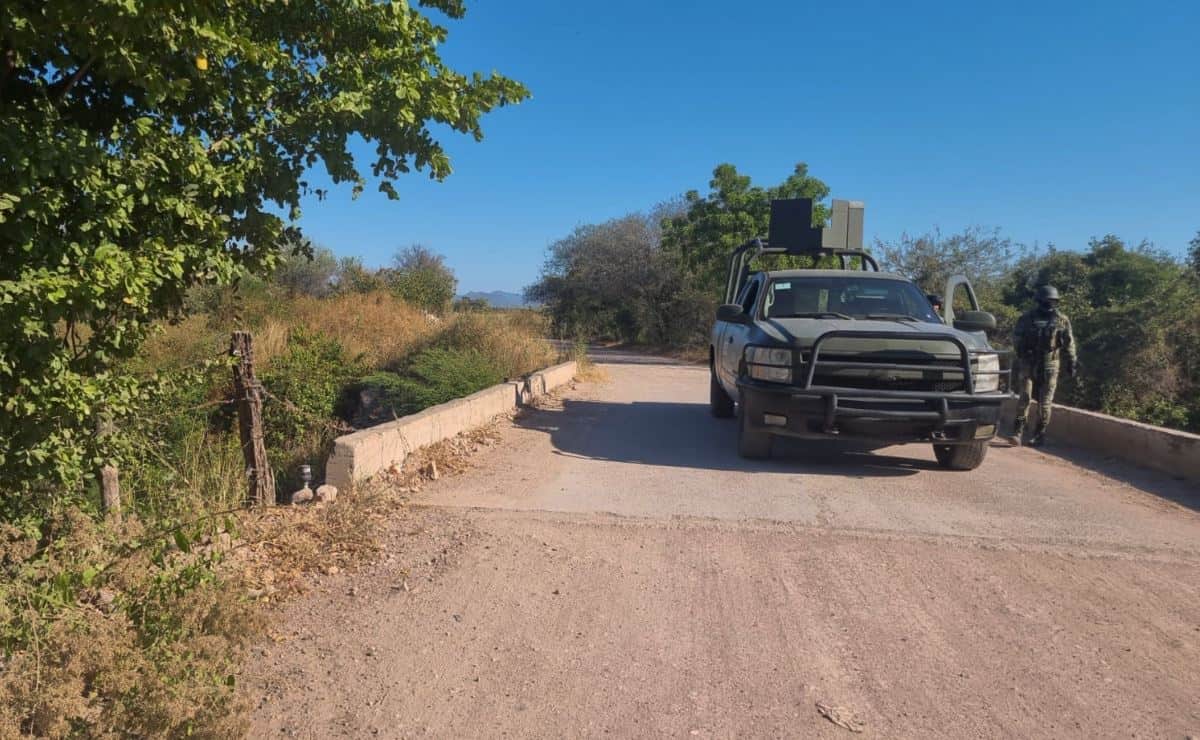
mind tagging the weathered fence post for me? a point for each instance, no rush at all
(110, 480)
(248, 393)
(110, 487)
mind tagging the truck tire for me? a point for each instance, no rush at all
(752, 443)
(719, 402)
(961, 457)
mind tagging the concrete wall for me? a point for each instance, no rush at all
(364, 453)
(1166, 450)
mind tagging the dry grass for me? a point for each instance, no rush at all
(509, 339)
(91, 674)
(280, 546)
(378, 327)
(143, 650)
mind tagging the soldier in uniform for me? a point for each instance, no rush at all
(1042, 339)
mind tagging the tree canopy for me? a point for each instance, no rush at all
(421, 277)
(655, 276)
(149, 147)
(932, 258)
(735, 210)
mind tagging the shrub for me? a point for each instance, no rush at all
(103, 639)
(305, 384)
(512, 340)
(434, 376)
(306, 269)
(422, 278)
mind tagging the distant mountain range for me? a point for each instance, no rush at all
(498, 298)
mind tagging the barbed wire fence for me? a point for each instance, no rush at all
(249, 400)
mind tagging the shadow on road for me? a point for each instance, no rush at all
(685, 435)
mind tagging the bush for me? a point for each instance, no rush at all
(422, 278)
(306, 269)
(511, 340)
(434, 376)
(305, 385)
(104, 639)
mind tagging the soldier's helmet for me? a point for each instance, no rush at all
(1047, 293)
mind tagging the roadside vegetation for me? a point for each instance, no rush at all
(655, 278)
(153, 161)
(138, 626)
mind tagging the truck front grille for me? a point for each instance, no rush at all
(929, 374)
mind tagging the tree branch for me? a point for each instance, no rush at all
(79, 73)
(6, 70)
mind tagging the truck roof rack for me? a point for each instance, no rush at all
(791, 232)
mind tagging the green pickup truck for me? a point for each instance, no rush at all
(850, 352)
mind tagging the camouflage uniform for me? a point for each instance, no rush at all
(1042, 339)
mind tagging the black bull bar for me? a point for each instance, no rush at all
(938, 400)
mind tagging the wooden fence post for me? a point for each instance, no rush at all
(110, 481)
(248, 393)
(110, 488)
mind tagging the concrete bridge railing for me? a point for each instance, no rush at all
(1166, 450)
(358, 456)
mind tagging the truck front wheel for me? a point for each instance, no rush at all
(752, 443)
(961, 457)
(719, 402)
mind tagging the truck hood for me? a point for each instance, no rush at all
(802, 333)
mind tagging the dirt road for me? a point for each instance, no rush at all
(613, 568)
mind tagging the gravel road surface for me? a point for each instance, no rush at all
(613, 568)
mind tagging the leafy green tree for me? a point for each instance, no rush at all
(149, 147)
(306, 269)
(1136, 316)
(983, 255)
(354, 277)
(712, 226)
(614, 280)
(422, 278)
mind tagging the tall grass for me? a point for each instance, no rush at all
(377, 327)
(512, 340)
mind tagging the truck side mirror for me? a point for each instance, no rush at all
(732, 313)
(975, 321)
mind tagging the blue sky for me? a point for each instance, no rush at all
(1055, 121)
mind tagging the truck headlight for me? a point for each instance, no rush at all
(771, 364)
(985, 371)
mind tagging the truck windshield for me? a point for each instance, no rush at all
(846, 297)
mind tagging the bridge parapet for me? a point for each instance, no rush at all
(1166, 450)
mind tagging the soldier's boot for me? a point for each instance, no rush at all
(1039, 436)
(1018, 431)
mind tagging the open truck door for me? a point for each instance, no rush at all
(974, 319)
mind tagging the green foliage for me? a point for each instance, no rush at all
(931, 259)
(657, 277)
(471, 305)
(354, 277)
(145, 149)
(1194, 254)
(1136, 317)
(306, 269)
(109, 632)
(422, 278)
(734, 211)
(593, 278)
(306, 383)
(434, 376)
